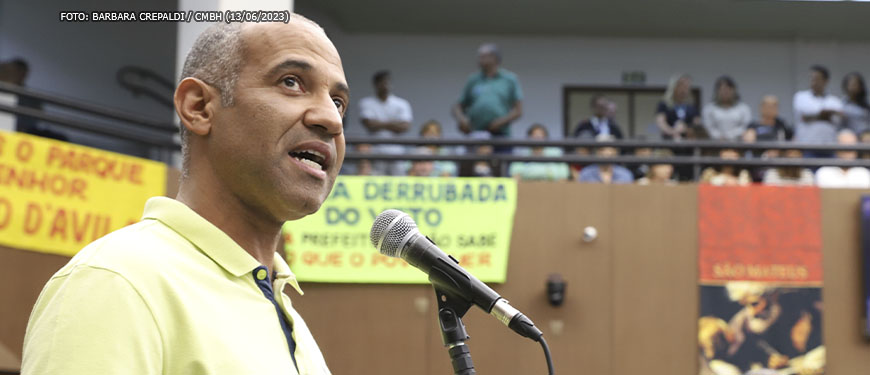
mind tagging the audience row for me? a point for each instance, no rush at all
(492, 99)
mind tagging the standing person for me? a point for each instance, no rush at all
(601, 122)
(491, 100)
(385, 116)
(726, 118)
(769, 127)
(196, 286)
(816, 112)
(677, 113)
(16, 72)
(856, 110)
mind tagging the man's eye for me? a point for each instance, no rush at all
(338, 104)
(291, 82)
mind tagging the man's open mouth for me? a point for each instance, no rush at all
(311, 158)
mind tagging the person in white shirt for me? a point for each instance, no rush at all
(817, 113)
(726, 118)
(844, 177)
(386, 115)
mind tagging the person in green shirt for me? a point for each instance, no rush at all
(491, 99)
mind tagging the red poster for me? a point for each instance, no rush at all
(760, 270)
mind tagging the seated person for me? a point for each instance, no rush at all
(548, 171)
(840, 177)
(726, 175)
(659, 173)
(605, 172)
(422, 168)
(601, 122)
(789, 175)
(440, 168)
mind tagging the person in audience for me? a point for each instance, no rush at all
(483, 168)
(844, 177)
(601, 122)
(856, 110)
(769, 127)
(548, 171)
(606, 173)
(659, 173)
(677, 113)
(816, 111)
(639, 171)
(865, 140)
(726, 118)
(726, 175)
(363, 167)
(789, 175)
(577, 167)
(422, 168)
(491, 99)
(385, 115)
(677, 118)
(15, 72)
(440, 168)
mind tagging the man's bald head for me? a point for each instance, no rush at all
(218, 53)
(216, 58)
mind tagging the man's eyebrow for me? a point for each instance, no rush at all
(289, 64)
(343, 88)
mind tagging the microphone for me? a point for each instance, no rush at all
(395, 234)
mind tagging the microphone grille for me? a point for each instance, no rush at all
(388, 230)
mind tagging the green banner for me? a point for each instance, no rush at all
(469, 218)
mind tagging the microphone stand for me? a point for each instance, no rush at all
(451, 309)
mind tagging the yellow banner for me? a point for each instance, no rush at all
(56, 197)
(469, 218)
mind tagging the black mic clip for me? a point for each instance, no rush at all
(451, 309)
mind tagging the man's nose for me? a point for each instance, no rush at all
(324, 115)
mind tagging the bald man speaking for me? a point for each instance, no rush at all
(196, 287)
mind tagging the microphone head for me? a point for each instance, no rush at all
(388, 231)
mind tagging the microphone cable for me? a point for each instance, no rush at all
(547, 354)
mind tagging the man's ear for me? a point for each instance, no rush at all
(195, 102)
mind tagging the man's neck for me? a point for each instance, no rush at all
(490, 72)
(257, 235)
(383, 96)
(818, 93)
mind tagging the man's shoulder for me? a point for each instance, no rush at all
(508, 74)
(134, 249)
(367, 101)
(803, 95)
(398, 100)
(473, 77)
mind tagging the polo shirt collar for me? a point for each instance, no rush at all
(283, 275)
(212, 241)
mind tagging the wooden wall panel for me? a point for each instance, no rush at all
(546, 239)
(369, 329)
(655, 284)
(848, 352)
(22, 276)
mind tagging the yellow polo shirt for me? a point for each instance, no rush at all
(172, 294)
